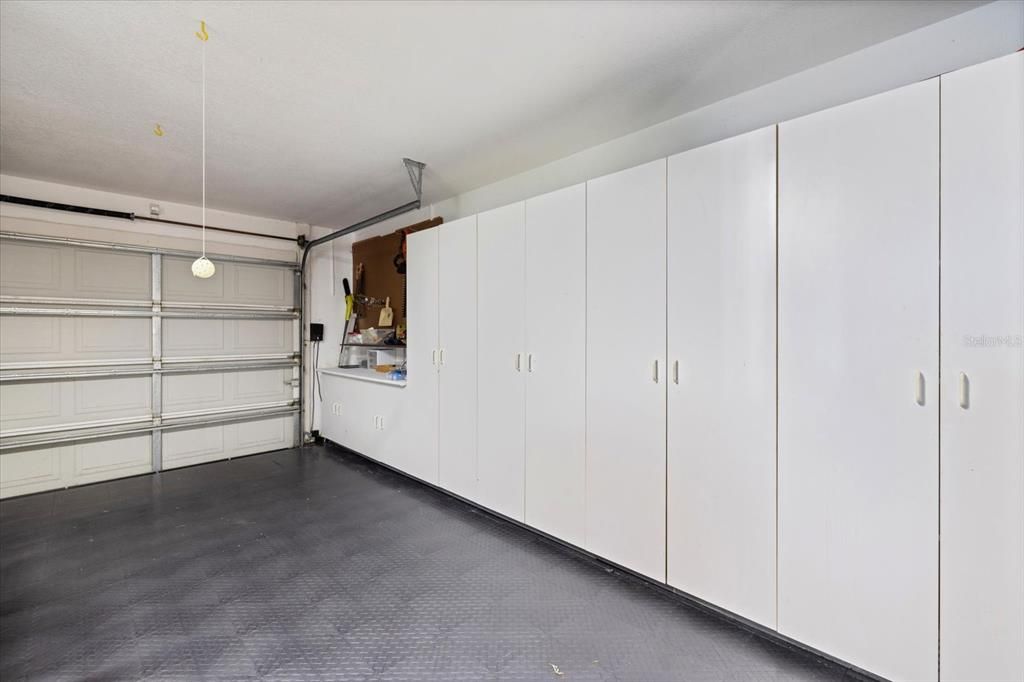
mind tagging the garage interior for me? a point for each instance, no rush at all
(650, 341)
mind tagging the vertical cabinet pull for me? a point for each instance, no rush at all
(519, 362)
(965, 391)
(440, 355)
(529, 362)
(919, 389)
(675, 372)
(655, 377)
(433, 357)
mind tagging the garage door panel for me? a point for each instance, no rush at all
(180, 285)
(45, 339)
(260, 436)
(66, 272)
(189, 392)
(262, 336)
(36, 404)
(232, 283)
(186, 337)
(263, 386)
(186, 447)
(105, 459)
(29, 471)
(30, 270)
(107, 275)
(194, 446)
(23, 339)
(261, 285)
(32, 404)
(184, 392)
(123, 397)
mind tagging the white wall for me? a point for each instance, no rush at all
(981, 34)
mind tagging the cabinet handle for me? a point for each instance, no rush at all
(919, 389)
(519, 362)
(675, 372)
(441, 355)
(965, 391)
(529, 362)
(433, 357)
(655, 371)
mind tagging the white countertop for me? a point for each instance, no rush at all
(362, 374)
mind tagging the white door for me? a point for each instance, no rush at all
(421, 392)
(556, 386)
(858, 381)
(626, 368)
(721, 392)
(982, 513)
(457, 357)
(501, 351)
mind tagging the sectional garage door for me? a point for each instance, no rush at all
(116, 361)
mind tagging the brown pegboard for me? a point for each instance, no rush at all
(379, 277)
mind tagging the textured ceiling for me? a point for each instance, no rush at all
(312, 105)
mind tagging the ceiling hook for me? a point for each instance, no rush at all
(201, 33)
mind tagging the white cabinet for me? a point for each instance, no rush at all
(721, 391)
(457, 357)
(625, 519)
(502, 359)
(982, 443)
(858, 381)
(420, 456)
(366, 416)
(556, 328)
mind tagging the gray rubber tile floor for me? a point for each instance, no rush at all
(316, 564)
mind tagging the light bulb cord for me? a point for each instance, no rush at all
(204, 148)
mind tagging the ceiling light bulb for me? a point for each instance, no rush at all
(203, 267)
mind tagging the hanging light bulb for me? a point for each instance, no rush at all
(203, 267)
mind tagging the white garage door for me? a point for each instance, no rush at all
(116, 361)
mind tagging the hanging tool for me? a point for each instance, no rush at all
(387, 315)
(349, 305)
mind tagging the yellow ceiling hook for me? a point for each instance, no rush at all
(158, 131)
(201, 33)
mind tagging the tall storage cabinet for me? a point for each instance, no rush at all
(626, 368)
(457, 357)
(420, 457)
(721, 390)
(501, 336)
(556, 328)
(982, 500)
(858, 381)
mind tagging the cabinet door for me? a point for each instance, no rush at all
(419, 453)
(626, 368)
(556, 379)
(457, 357)
(721, 392)
(982, 512)
(502, 363)
(858, 381)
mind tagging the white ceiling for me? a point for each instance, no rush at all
(312, 105)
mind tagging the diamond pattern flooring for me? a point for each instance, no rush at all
(316, 564)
